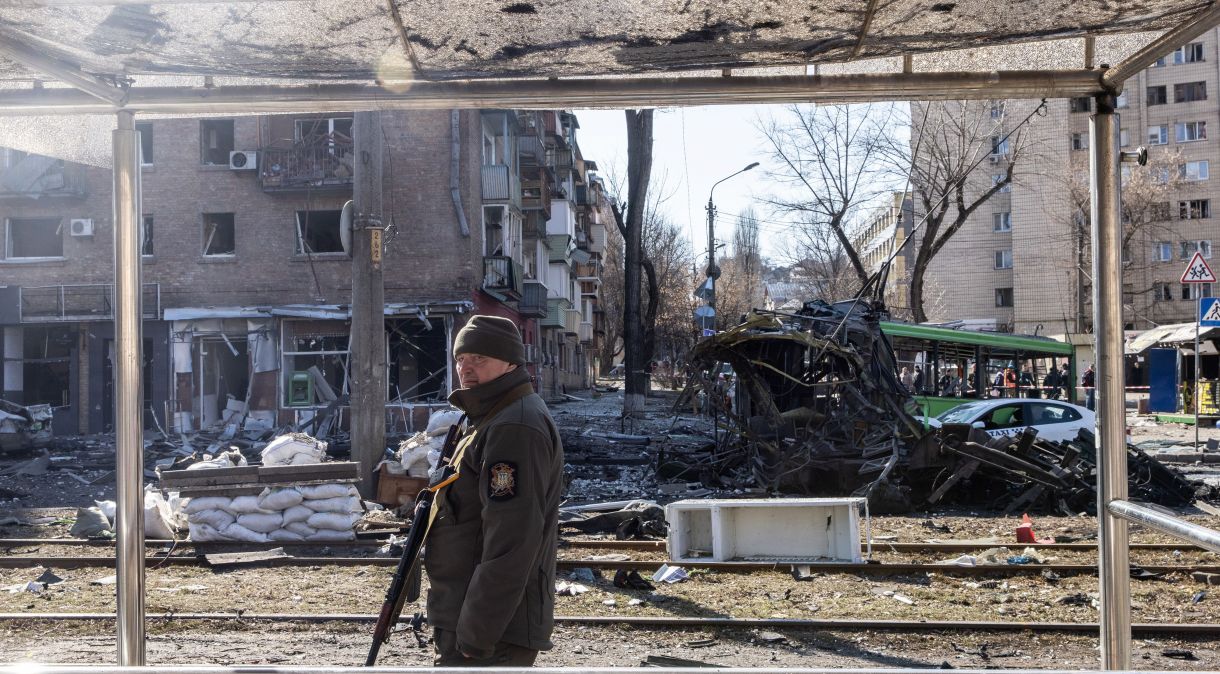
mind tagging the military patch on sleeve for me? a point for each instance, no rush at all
(502, 481)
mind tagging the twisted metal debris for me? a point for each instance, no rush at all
(819, 409)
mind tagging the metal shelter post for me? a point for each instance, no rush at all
(1105, 193)
(128, 394)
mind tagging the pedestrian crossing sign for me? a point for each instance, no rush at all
(1198, 271)
(1209, 312)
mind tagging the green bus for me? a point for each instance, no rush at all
(950, 360)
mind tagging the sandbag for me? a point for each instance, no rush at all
(281, 498)
(285, 535)
(441, 420)
(340, 521)
(108, 508)
(91, 523)
(200, 533)
(297, 513)
(261, 522)
(202, 503)
(339, 504)
(300, 528)
(216, 518)
(293, 449)
(328, 490)
(246, 504)
(332, 535)
(237, 532)
(158, 520)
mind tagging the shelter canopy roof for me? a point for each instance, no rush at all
(361, 41)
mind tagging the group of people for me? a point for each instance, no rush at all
(1006, 383)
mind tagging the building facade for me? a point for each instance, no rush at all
(247, 275)
(883, 238)
(1022, 260)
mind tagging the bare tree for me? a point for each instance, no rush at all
(639, 171)
(740, 285)
(612, 295)
(836, 158)
(952, 139)
(1146, 217)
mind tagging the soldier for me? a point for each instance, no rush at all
(491, 550)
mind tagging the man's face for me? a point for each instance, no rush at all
(474, 369)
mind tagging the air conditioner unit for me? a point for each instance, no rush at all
(243, 160)
(531, 353)
(80, 227)
(995, 158)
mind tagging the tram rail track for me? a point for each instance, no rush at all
(685, 622)
(21, 562)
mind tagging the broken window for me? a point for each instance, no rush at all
(315, 362)
(215, 141)
(318, 232)
(1157, 95)
(34, 238)
(146, 237)
(219, 235)
(1189, 91)
(47, 366)
(334, 128)
(146, 143)
(418, 362)
(1003, 297)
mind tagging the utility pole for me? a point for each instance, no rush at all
(367, 372)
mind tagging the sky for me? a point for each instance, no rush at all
(692, 149)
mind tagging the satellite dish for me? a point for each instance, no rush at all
(345, 227)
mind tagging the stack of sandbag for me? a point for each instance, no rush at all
(420, 453)
(323, 512)
(294, 449)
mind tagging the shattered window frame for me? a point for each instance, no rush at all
(314, 227)
(327, 344)
(145, 130)
(17, 249)
(213, 134)
(213, 223)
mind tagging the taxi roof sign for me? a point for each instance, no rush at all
(1198, 271)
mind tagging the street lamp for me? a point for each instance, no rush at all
(713, 272)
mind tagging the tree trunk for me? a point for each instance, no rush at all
(918, 315)
(639, 168)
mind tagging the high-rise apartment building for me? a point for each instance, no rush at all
(1022, 260)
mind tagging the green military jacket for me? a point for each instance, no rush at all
(491, 551)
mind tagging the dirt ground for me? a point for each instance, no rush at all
(941, 595)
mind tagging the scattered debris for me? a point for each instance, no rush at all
(565, 589)
(670, 574)
(767, 637)
(24, 428)
(631, 580)
(1179, 654)
(243, 558)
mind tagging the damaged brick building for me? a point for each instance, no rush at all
(247, 278)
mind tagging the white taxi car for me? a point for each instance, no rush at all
(1055, 421)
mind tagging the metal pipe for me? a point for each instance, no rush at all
(1193, 27)
(641, 92)
(68, 73)
(1193, 533)
(1113, 570)
(128, 393)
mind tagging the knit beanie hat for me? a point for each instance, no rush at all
(491, 336)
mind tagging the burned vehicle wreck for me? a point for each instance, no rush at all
(818, 409)
(24, 428)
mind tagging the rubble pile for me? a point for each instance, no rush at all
(819, 409)
(1021, 472)
(23, 428)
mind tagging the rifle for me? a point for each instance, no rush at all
(405, 586)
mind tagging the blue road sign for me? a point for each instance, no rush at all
(1209, 312)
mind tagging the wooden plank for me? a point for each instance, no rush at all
(248, 489)
(310, 471)
(238, 558)
(206, 477)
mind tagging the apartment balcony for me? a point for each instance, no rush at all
(533, 225)
(318, 163)
(532, 150)
(502, 276)
(585, 332)
(561, 159)
(556, 315)
(38, 177)
(536, 192)
(571, 321)
(561, 248)
(597, 238)
(86, 302)
(533, 302)
(585, 196)
(500, 185)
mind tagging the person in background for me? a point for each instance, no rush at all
(1089, 380)
(907, 379)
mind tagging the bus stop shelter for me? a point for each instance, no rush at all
(74, 74)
